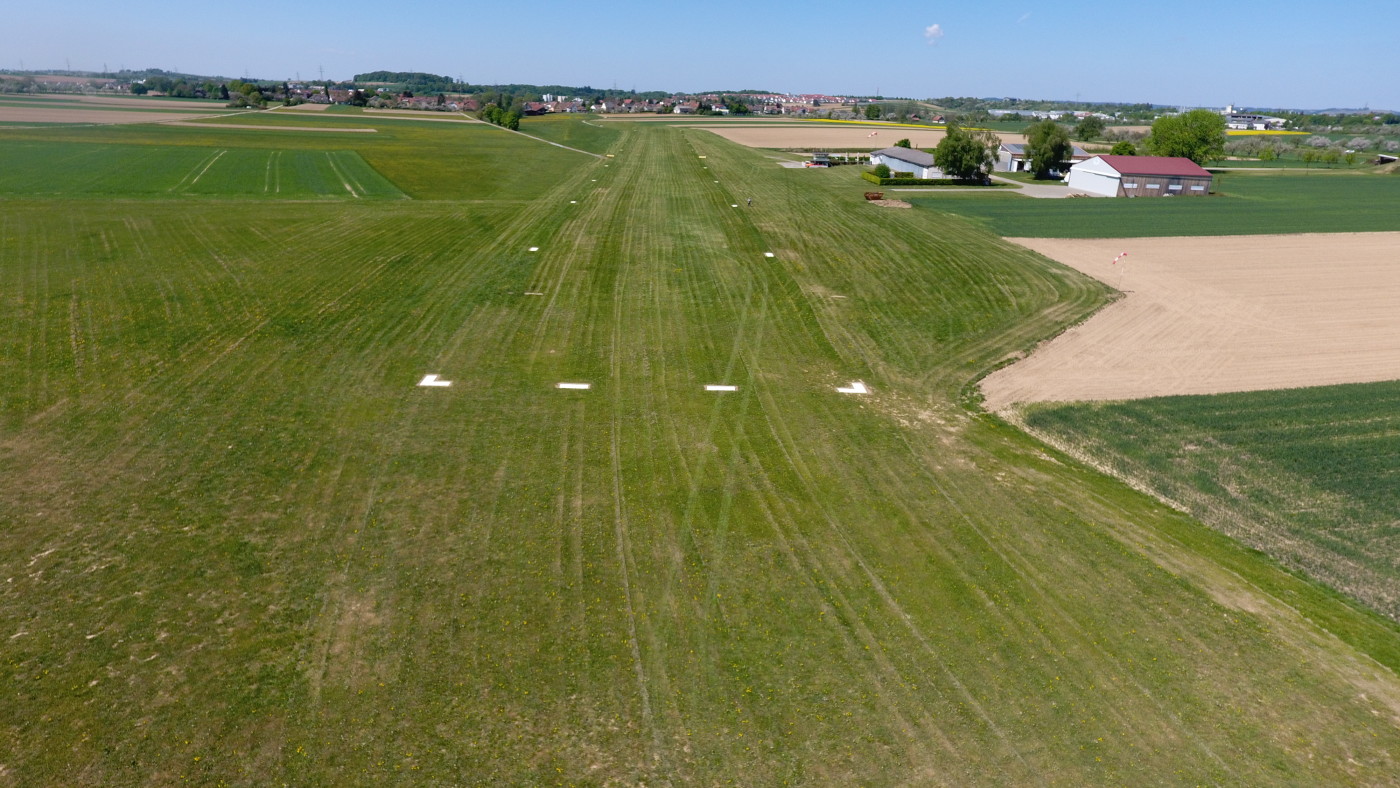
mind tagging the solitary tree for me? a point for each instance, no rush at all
(904, 143)
(1090, 127)
(1124, 148)
(1048, 147)
(1198, 135)
(962, 154)
(872, 111)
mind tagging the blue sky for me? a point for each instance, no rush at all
(1282, 53)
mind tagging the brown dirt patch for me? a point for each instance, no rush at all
(16, 114)
(305, 108)
(132, 102)
(891, 203)
(1211, 315)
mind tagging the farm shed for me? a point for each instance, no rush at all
(1012, 157)
(1139, 176)
(906, 160)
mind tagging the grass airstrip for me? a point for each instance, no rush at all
(240, 544)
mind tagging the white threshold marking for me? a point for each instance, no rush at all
(531, 292)
(721, 388)
(575, 386)
(432, 380)
(836, 296)
(856, 387)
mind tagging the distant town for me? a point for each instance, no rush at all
(429, 92)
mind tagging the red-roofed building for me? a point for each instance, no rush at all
(1139, 176)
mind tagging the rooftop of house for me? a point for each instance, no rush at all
(1156, 165)
(906, 154)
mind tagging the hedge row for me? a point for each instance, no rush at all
(878, 181)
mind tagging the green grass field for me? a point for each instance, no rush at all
(1307, 475)
(1248, 204)
(240, 545)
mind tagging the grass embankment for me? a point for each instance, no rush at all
(590, 134)
(246, 548)
(1248, 204)
(1306, 475)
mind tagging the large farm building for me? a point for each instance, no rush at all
(1139, 176)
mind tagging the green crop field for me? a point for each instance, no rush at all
(74, 169)
(425, 160)
(1307, 475)
(240, 544)
(1248, 204)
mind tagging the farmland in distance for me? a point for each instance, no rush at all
(1248, 204)
(242, 545)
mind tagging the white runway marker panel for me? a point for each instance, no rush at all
(574, 386)
(721, 388)
(769, 254)
(533, 293)
(534, 248)
(433, 382)
(856, 387)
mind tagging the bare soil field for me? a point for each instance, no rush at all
(1221, 314)
(833, 136)
(13, 114)
(306, 108)
(126, 101)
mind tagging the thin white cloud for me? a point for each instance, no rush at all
(932, 33)
(1024, 17)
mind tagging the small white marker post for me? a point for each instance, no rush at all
(734, 205)
(534, 248)
(573, 202)
(432, 381)
(768, 254)
(856, 387)
(574, 386)
(721, 388)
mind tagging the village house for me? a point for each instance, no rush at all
(1012, 157)
(1139, 176)
(915, 162)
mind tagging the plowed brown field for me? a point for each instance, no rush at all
(17, 114)
(1211, 315)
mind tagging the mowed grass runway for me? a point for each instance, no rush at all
(239, 545)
